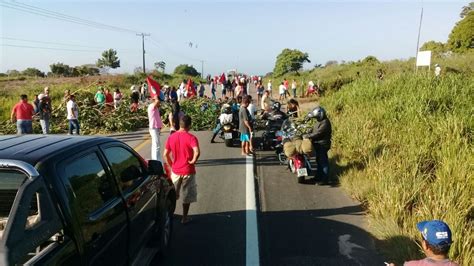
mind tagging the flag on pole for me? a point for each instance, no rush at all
(153, 87)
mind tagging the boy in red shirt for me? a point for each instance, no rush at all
(23, 113)
(184, 147)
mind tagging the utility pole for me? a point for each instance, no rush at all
(143, 48)
(419, 32)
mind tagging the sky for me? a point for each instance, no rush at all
(244, 35)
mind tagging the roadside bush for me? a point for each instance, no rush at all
(405, 144)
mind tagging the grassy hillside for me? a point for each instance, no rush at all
(404, 147)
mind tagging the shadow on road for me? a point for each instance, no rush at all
(305, 238)
(226, 161)
(209, 239)
(286, 238)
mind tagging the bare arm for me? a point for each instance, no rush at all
(166, 155)
(12, 116)
(196, 153)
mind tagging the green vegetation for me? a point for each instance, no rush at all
(109, 60)
(96, 120)
(187, 70)
(289, 61)
(405, 147)
(461, 39)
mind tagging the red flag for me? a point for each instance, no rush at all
(153, 87)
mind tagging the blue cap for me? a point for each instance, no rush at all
(435, 232)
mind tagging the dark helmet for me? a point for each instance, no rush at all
(319, 113)
(276, 106)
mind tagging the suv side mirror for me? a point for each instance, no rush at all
(155, 167)
(130, 173)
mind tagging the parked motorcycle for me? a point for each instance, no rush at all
(229, 133)
(298, 160)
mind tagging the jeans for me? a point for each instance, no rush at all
(73, 124)
(45, 125)
(294, 93)
(155, 144)
(322, 162)
(213, 95)
(24, 126)
(217, 128)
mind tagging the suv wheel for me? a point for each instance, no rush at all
(165, 227)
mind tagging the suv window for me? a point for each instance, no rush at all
(123, 164)
(90, 183)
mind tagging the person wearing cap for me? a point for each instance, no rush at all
(155, 125)
(44, 111)
(23, 113)
(435, 244)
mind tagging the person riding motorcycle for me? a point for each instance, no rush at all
(276, 113)
(225, 117)
(321, 139)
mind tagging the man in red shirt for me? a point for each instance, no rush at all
(109, 98)
(184, 147)
(23, 113)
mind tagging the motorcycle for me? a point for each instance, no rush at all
(298, 163)
(229, 133)
(272, 136)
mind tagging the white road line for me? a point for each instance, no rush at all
(252, 256)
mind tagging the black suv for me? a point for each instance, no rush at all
(80, 201)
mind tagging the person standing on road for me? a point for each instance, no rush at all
(260, 90)
(269, 87)
(265, 102)
(294, 85)
(282, 91)
(175, 116)
(23, 113)
(184, 148)
(245, 126)
(155, 125)
(213, 89)
(73, 115)
(436, 243)
(321, 139)
(44, 113)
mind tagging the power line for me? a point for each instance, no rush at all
(163, 45)
(51, 48)
(56, 15)
(48, 48)
(55, 43)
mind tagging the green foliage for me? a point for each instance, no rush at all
(289, 61)
(370, 60)
(331, 63)
(13, 72)
(461, 38)
(32, 72)
(187, 70)
(60, 69)
(109, 59)
(436, 48)
(160, 65)
(467, 9)
(401, 147)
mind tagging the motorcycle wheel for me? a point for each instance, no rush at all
(291, 166)
(228, 142)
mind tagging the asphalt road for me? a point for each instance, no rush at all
(298, 224)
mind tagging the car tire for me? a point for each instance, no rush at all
(165, 227)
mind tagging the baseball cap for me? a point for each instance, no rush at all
(435, 232)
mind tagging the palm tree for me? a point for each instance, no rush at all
(160, 65)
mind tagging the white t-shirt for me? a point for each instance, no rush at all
(72, 109)
(437, 71)
(225, 119)
(269, 86)
(293, 85)
(282, 89)
(252, 110)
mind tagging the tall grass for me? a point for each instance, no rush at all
(412, 137)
